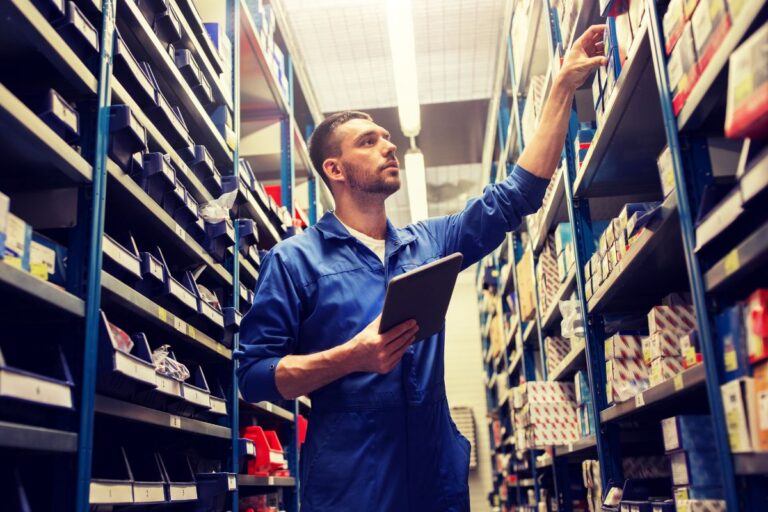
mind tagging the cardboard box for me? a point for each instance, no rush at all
(548, 392)
(664, 344)
(746, 112)
(695, 468)
(625, 378)
(527, 292)
(581, 386)
(759, 420)
(735, 399)
(665, 368)
(711, 22)
(589, 289)
(697, 493)
(688, 7)
(689, 349)
(624, 346)
(606, 267)
(18, 236)
(556, 349)
(666, 171)
(688, 432)
(673, 23)
(646, 343)
(47, 260)
(672, 319)
(683, 69)
(630, 209)
(756, 314)
(732, 338)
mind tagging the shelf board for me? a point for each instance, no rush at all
(514, 363)
(658, 252)
(629, 138)
(259, 91)
(266, 408)
(570, 364)
(265, 481)
(127, 196)
(23, 28)
(742, 262)
(554, 211)
(580, 447)
(709, 92)
(28, 144)
(133, 412)
(249, 269)
(305, 402)
(27, 292)
(552, 315)
(30, 437)
(117, 292)
(750, 463)
(140, 38)
(666, 392)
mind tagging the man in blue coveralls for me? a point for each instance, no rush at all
(381, 437)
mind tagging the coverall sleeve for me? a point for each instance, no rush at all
(268, 331)
(482, 225)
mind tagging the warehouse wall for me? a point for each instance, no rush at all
(464, 376)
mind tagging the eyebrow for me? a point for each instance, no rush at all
(360, 137)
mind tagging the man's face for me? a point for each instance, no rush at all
(368, 158)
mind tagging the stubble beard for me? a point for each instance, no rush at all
(375, 185)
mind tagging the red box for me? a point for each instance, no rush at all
(757, 325)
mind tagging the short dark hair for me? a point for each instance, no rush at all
(323, 144)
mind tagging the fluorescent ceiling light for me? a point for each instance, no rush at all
(417, 185)
(400, 28)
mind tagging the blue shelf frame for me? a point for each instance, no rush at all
(688, 154)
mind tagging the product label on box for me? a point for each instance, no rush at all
(762, 410)
(44, 257)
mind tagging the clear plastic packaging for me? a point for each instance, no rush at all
(218, 210)
(166, 365)
(572, 325)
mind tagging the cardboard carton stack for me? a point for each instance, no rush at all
(544, 414)
(625, 372)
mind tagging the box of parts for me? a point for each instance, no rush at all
(732, 338)
(525, 276)
(739, 409)
(18, 236)
(47, 260)
(687, 432)
(672, 319)
(694, 468)
(756, 313)
(711, 23)
(673, 24)
(746, 112)
(623, 346)
(760, 405)
(625, 378)
(683, 69)
(664, 368)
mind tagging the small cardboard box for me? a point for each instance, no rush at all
(759, 419)
(695, 468)
(688, 431)
(18, 237)
(735, 399)
(673, 23)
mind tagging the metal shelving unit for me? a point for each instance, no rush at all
(620, 167)
(107, 200)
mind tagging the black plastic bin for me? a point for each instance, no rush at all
(126, 136)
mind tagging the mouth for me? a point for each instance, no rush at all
(391, 165)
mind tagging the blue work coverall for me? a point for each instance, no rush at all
(375, 442)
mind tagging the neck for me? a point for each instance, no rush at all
(367, 215)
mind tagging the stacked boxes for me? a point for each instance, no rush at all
(667, 325)
(666, 171)
(525, 286)
(593, 484)
(593, 269)
(626, 374)
(743, 334)
(544, 414)
(556, 348)
(547, 274)
(690, 445)
(583, 140)
(747, 105)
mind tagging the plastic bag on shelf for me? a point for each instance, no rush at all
(123, 341)
(572, 325)
(218, 210)
(166, 365)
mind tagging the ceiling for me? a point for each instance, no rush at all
(344, 47)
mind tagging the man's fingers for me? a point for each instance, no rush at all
(398, 330)
(394, 343)
(395, 356)
(595, 62)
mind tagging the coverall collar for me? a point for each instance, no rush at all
(331, 227)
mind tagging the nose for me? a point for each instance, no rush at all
(389, 147)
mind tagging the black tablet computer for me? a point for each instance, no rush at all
(422, 294)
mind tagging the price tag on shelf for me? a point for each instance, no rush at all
(179, 324)
(570, 447)
(175, 421)
(231, 482)
(678, 382)
(269, 407)
(249, 449)
(180, 231)
(639, 400)
(162, 314)
(271, 480)
(732, 262)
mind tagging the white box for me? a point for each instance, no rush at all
(735, 396)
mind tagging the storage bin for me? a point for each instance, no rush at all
(111, 482)
(57, 113)
(132, 75)
(201, 163)
(123, 370)
(126, 136)
(180, 484)
(40, 377)
(157, 177)
(219, 236)
(78, 32)
(148, 483)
